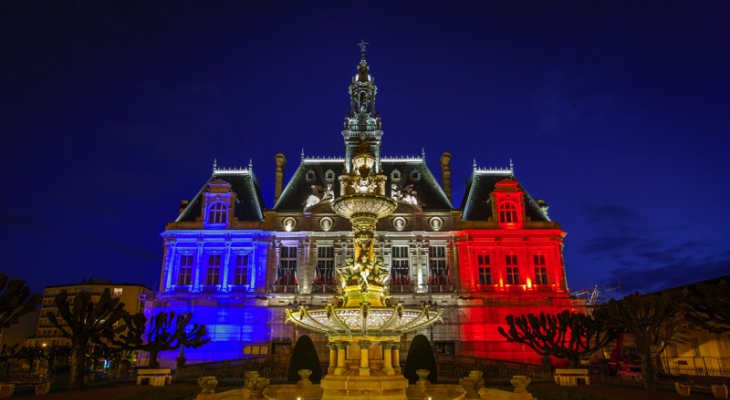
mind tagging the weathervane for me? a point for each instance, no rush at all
(362, 45)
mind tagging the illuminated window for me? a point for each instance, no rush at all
(240, 276)
(324, 273)
(513, 276)
(117, 292)
(485, 271)
(438, 271)
(287, 266)
(507, 213)
(399, 270)
(214, 270)
(185, 273)
(217, 213)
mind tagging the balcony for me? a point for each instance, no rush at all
(238, 288)
(285, 288)
(445, 288)
(487, 288)
(403, 288)
(324, 288)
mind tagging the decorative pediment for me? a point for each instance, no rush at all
(219, 186)
(507, 185)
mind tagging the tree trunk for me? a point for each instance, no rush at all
(647, 368)
(153, 359)
(76, 370)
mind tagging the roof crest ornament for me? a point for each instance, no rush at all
(363, 44)
(215, 164)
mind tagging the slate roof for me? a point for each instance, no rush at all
(298, 189)
(249, 203)
(477, 202)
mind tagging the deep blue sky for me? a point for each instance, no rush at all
(615, 112)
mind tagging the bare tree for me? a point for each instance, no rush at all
(84, 320)
(15, 300)
(708, 306)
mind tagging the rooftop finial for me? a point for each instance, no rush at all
(302, 154)
(215, 164)
(474, 163)
(250, 164)
(363, 44)
(511, 167)
(423, 153)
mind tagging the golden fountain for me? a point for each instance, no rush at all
(363, 319)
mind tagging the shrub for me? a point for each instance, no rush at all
(420, 356)
(304, 356)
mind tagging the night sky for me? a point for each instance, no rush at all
(615, 112)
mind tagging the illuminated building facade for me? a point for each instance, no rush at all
(238, 265)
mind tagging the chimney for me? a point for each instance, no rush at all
(183, 205)
(280, 163)
(446, 173)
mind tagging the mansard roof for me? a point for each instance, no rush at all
(477, 202)
(249, 202)
(429, 191)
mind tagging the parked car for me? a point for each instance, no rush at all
(629, 372)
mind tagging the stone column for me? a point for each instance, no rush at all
(341, 366)
(333, 357)
(364, 360)
(169, 265)
(226, 265)
(396, 357)
(387, 367)
(198, 257)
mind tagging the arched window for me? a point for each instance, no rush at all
(218, 213)
(507, 213)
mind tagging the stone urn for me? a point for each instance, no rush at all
(683, 390)
(520, 383)
(472, 384)
(248, 375)
(422, 382)
(304, 382)
(257, 385)
(208, 383)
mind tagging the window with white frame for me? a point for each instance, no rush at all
(240, 275)
(324, 273)
(217, 213)
(214, 270)
(484, 269)
(185, 271)
(438, 270)
(399, 268)
(507, 213)
(287, 266)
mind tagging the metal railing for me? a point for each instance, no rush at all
(453, 367)
(273, 367)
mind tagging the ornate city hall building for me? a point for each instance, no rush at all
(238, 265)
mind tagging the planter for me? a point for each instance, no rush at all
(6, 390)
(683, 390)
(304, 375)
(719, 391)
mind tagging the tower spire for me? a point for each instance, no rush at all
(362, 124)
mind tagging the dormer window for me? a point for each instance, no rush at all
(218, 213)
(508, 213)
(329, 176)
(415, 175)
(310, 176)
(395, 176)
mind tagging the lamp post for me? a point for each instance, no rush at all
(43, 355)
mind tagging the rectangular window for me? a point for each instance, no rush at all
(287, 266)
(117, 292)
(541, 276)
(185, 273)
(485, 271)
(438, 271)
(695, 347)
(510, 259)
(399, 270)
(240, 277)
(538, 259)
(513, 276)
(324, 273)
(214, 270)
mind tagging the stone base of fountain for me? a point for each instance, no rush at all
(377, 386)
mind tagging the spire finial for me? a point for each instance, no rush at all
(474, 163)
(302, 154)
(511, 167)
(215, 164)
(363, 44)
(250, 164)
(423, 153)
